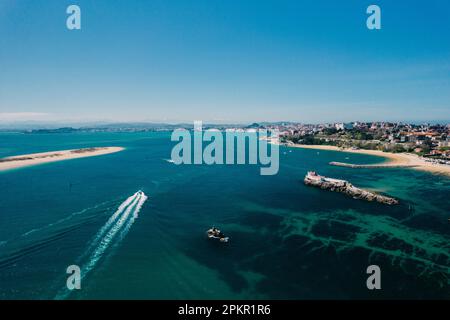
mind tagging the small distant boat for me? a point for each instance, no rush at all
(215, 233)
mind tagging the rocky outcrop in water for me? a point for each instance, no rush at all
(312, 179)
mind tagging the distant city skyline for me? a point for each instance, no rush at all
(42, 124)
(224, 62)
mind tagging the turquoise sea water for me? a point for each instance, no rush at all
(287, 240)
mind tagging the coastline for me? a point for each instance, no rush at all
(394, 160)
(26, 160)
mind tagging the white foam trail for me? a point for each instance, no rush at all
(70, 216)
(106, 241)
(118, 211)
(29, 232)
(118, 222)
(111, 220)
(133, 217)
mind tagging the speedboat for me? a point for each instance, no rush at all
(216, 234)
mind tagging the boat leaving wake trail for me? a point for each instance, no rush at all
(113, 232)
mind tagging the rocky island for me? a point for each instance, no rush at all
(343, 186)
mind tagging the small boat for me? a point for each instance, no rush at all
(215, 233)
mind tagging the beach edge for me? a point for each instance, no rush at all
(26, 160)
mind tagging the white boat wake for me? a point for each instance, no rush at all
(113, 232)
(108, 225)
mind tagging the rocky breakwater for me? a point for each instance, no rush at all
(343, 186)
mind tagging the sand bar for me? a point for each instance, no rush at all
(45, 157)
(406, 160)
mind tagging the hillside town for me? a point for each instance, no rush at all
(430, 141)
(427, 140)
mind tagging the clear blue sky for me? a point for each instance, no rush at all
(224, 61)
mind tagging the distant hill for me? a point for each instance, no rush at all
(58, 130)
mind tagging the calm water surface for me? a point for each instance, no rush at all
(287, 240)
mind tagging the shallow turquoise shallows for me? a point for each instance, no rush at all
(287, 240)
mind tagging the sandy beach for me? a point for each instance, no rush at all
(45, 157)
(406, 160)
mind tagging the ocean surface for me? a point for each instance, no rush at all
(135, 224)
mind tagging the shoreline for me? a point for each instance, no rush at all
(394, 160)
(20, 161)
